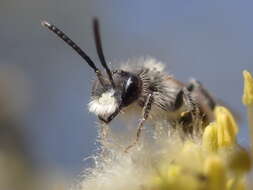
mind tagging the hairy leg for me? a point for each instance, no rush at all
(145, 113)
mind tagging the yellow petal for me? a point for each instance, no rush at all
(227, 127)
(234, 184)
(176, 178)
(215, 170)
(247, 98)
(191, 151)
(209, 139)
(180, 179)
(239, 160)
(174, 172)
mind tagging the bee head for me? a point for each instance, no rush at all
(107, 100)
(112, 90)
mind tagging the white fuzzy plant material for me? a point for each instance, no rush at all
(116, 170)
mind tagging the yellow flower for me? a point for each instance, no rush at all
(247, 98)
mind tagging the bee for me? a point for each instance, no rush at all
(144, 84)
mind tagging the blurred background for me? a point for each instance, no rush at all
(45, 127)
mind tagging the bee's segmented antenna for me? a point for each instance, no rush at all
(100, 50)
(72, 44)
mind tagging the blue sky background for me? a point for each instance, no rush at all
(209, 40)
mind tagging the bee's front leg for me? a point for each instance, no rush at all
(104, 124)
(103, 133)
(104, 129)
(145, 112)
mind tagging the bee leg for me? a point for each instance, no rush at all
(191, 103)
(145, 113)
(103, 133)
(184, 97)
(179, 100)
(195, 85)
(192, 118)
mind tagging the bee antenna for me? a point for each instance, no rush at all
(100, 50)
(72, 44)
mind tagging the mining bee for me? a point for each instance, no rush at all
(143, 84)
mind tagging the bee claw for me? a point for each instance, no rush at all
(129, 147)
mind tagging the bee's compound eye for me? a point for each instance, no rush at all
(131, 90)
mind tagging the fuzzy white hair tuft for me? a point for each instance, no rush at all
(153, 64)
(105, 104)
(147, 62)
